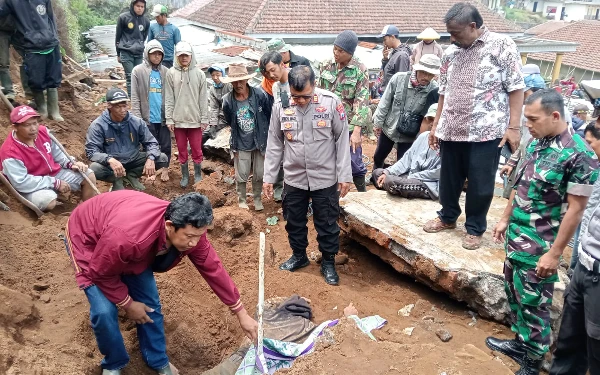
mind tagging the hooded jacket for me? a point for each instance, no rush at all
(215, 102)
(260, 106)
(140, 83)
(132, 31)
(120, 140)
(186, 96)
(35, 23)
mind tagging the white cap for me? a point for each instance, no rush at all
(158, 10)
(183, 48)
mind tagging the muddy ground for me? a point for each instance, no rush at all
(44, 318)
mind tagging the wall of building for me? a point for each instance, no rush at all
(565, 71)
(576, 11)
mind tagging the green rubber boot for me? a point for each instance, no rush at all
(197, 173)
(185, 175)
(53, 110)
(40, 103)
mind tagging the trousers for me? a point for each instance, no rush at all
(477, 162)
(384, 147)
(402, 186)
(578, 344)
(193, 136)
(5, 80)
(358, 166)
(134, 167)
(163, 136)
(326, 210)
(43, 71)
(245, 162)
(129, 61)
(529, 298)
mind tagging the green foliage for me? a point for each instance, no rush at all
(523, 16)
(68, 29)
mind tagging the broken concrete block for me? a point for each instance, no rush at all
(219, 146)
(405, 311)
(408, 331)
(392, 228)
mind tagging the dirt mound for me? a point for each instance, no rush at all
(208, 187)
(17, 311)
(231, 222)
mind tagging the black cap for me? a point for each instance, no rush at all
(116, 95)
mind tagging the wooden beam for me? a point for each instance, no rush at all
(523, 58)
(557, 66)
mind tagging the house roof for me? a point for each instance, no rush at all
(300, 17)
(546, 27)
(587, 34)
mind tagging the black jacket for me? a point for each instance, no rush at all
(260, 105)
(399, 61)
(296, 60)
(35, 24)
(132, 31)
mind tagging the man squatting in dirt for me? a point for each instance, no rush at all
(311, 137)
(116, 242)
(547, 203)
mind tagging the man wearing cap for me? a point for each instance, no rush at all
(579, 118)
(216, 91)
(347, 77)
(247, 111)
(417, 173)
(148, 99)
(427, 45)
(402, 107)
(113, 145)
(36, 167)
(186, 108)
(36, 40)
(165, 32)
(132, 30)
(310, 137)
(480, 105)
(290, 59)
(398, 58)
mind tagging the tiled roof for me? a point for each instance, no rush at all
(333, 16)
(231, 50)
(587, 34)
(546, 27)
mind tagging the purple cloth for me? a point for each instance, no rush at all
(356, 161)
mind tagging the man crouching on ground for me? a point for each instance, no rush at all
(116, 242)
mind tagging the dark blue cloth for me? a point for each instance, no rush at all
(105, 324)
(35, 24)
(356, 161)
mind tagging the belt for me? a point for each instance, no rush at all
(589, 262)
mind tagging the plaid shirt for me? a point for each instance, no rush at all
(475, 82)
(553, 168)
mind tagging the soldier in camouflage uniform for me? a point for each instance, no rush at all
(549, 196)
(347, 77)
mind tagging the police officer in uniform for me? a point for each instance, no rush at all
(311, 137)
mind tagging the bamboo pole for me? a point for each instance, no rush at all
(19, 197)
(261, 301)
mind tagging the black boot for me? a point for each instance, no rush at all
(511, 348)
(296, 262)
(361, 185)
(328, 269)
(530, 366)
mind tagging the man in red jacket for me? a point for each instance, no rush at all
(116, 242)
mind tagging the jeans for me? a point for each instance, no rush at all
(477, 162)
(578, 344)
(356, 162)
(384, 147)
(5, 80)
(43, 71)
(133, 168)
(129, 61)
(105, 324)
(326, 210)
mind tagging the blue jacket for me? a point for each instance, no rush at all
(261, 106)
(578, 125)
(120, 140)
(168, 36)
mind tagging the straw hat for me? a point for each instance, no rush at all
(237, 72)
(428, 34)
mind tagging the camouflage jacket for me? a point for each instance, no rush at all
(553, 167)
(351, 85)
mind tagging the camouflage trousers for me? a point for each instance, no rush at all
(529, 298)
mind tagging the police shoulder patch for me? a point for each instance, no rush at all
(342, 112)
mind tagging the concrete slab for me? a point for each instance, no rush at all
(391, 228)
(219, 147)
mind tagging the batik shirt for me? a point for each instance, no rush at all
(351, 85)
(553, 167)
(475, 82)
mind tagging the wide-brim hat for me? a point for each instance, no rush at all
(429, 63)
(428, 34)
(237, 72)
(432, 111)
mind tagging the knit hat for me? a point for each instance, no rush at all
(347, 40)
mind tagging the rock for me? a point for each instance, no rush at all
(405, 311)
(208, 188)
(444, 335)
(40, 286)
(231, 222)
(219, 146)
(429, 318)
(45, 298)
(392, 228)
(408, 331)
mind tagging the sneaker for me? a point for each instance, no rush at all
(471, 242)
(437, 225)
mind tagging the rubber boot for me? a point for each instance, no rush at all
(240, 187)
(328, 269)
(360, 184)
(135, 182)
(53, 110)
(40, 103)
(197, 173)
(118, 184)
(185, 175)
(257, 192)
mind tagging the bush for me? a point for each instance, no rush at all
(68, 29)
